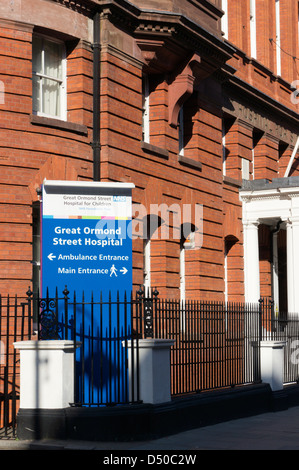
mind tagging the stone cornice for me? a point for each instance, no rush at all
(18, 25)
(85, 7)
(253, 97)
(185, 32)
(279, 188)
(153, 29)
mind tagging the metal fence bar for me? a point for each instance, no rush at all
(74, 337)
(14, 365)
(101, 348)
(6, 398)
(92, 371)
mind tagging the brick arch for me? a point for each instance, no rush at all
(231, 226)
(189, 198)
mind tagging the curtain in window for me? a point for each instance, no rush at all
(47, 76)
(52, 68)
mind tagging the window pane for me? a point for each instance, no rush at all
(53, 59)
(47, 61)
(36, 104)
(51, 97)
(37, 55)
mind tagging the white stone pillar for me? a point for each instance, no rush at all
(272, 363)
(290, 274)
(46, 374)
(275, 271)
(295, 258)
(154, 369)
(251, 261)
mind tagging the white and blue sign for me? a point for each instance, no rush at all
(87, 246)
(86, 237)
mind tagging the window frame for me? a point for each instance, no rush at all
(278, 37)
(63, 81)
(145, 109)
(245, 168)
(224, 19)
(181, 130)
(253, 32)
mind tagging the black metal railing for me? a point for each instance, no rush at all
(105, 332)
(15, 325)
(216, 344)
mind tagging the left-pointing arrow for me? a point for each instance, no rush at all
(51, 256)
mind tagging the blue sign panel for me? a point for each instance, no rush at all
(87, 246)
(86, 237)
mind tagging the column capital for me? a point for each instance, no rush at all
(293, 220)
(251, 223)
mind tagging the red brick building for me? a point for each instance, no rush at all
(195, 105)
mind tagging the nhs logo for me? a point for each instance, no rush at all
(119, 198)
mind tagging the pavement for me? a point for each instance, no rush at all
(269, 431)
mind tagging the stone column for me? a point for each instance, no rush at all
(154, 369)
(46, 374)
(251, 261)
(290, 262)
(295, 260)
(272, 363)
(275, 277)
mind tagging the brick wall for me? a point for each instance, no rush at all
(33, 148)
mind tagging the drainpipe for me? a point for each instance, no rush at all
(96, 144)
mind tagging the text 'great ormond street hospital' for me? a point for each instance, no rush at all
(108, 233)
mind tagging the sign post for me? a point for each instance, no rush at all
(87, 246)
